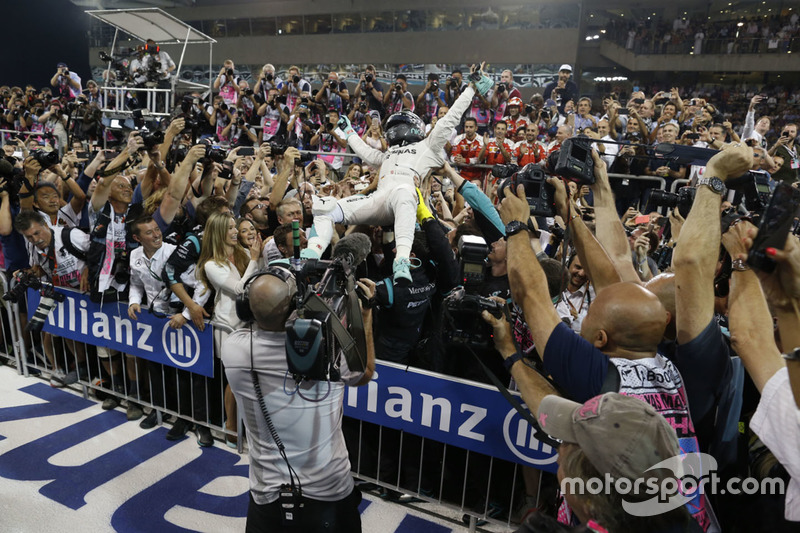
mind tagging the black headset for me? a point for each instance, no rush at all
(243, 310)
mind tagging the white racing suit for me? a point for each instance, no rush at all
(395, 200)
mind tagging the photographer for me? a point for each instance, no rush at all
(431, 98)
(275, 115)
(227, 83)
(786, 148)
(294, 87)
(310, 431)
(453, 86)
(267, 80)
(238, 132)
(219, 116)
(57, 256)
(333, 94)
(399, 97)
(370, 87)
(55, 126)
(67, 83)
(157, 64)
(502, 94)
(328, 141)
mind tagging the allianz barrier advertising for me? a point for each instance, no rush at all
(458, 412)
(150, 338)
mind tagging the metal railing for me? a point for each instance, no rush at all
(157, 101)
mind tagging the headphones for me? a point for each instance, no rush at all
(243, 310)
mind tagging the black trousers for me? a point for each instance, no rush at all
(315, 517)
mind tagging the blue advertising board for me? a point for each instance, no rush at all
(148, 337)
(466, 414)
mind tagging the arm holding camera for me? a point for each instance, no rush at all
(6, 222)
(695, 257)
(599, 268)
(608, 227)
(177, 187)
(525, 276)
(101, 193)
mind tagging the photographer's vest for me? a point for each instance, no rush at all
(97, 255)
(657, 382)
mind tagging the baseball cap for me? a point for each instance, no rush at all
(515, 101)
(619, 434)
(565, 67)
(61, 64)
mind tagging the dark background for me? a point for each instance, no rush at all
(40, 34)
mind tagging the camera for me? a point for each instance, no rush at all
(369, 78)
(229, 72)
(240, 122)
(333, 84)
(248, 92)
(473, 253)
(269, 76)
(434, 86)
(398, 87)
(329, 126)
(463, 321)
(215, 153)
(277, 149)
(752, 189)
(683, 199)
(295, 79)
(501, 87)
(49, 297)
(362, 107)
(223, 106)
(541, 196)
(574, 161)
(44, 158)
(151, 140)
(528, 109)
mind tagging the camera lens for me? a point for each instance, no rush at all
(296, 79)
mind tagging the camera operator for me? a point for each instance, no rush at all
(360, 117)
(453, 86)
(311, 431)
(328, 141)
(431, 98)
(786, 148)
(220, 115)
(756, 129)
(55, 126)
(275, 115)
(294, 87)
(17, 115)
(667, 169)
(303, 122)
(267, 80)
(370, 87)
(227, 83)
(502, 93)
(399, 97)
(57, 256)
(333, 94)
(238, 132)
(66, 82)
(158, 62)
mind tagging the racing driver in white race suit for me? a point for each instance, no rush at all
(410, 154)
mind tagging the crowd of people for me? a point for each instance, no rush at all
(650, 325)
(698, 34)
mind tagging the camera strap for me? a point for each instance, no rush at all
(353, 345)
(136, 158)
(538, 433)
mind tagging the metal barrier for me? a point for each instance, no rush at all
(157, 105)
(126, 378)
(8, 334)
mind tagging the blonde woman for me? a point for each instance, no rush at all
(224, 265)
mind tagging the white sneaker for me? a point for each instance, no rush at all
(57, 378)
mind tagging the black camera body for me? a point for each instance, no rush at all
(295, 79)
(44, 158)
(151, 140)
(752, 189)
(463, 321)
(541, 196)
(369, 78)
(574, 161)
(277, 149)
(215, 153)
(683, 199)
(501, 88)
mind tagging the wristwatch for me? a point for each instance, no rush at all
(714, 183)
(516, 226)
(794, 355)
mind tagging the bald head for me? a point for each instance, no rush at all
(624, 318)
(270, 301)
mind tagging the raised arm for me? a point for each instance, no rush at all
(599, 268)
(525, 277)
(697, 251)
(177, 187)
